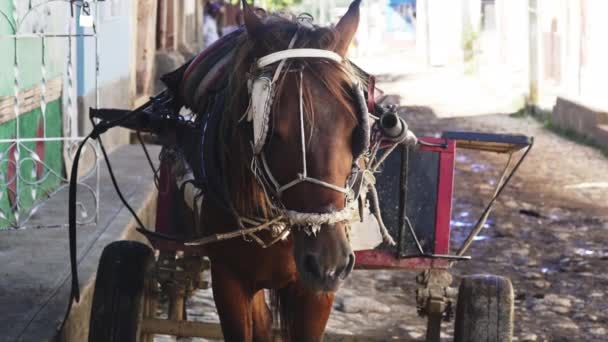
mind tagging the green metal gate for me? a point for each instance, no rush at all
(38, 111)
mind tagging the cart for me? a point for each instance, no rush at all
(132, 276)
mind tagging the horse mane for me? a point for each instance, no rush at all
(246, 195)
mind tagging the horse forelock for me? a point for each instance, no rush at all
(246, 195)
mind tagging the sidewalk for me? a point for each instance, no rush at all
(35, 282)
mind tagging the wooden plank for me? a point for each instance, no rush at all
(214, 331)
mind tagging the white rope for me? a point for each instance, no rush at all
(300, 218)
(327, 185)
(386, 236)
(302, 133)
(311, 222)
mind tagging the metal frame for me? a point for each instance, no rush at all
(435, 297)
(497, 143)
(178, 270)
(20, 216)
(383, 259)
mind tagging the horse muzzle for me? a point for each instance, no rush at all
(325, 259)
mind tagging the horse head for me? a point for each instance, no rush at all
(306, 136)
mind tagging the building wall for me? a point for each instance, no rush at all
(573, 51)
(512, 25)
(571, 47)
(115, 31)
(594, 53)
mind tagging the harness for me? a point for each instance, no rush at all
(162, 113)
(262, 91)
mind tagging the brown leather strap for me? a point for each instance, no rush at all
(371, 87)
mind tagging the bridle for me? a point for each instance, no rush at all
(303, 176)
(360, 195)
(262, 92)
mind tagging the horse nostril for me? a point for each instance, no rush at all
(312, 266)
(350, 264)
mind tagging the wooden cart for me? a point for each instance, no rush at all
(132, 276)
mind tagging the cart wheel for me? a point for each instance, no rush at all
(484, 311)
(118, 300)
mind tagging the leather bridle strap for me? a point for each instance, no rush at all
(297, 53)
(282, 57)
(303, 176)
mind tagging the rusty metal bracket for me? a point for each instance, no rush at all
(434, 300)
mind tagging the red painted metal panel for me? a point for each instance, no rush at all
(387, 260)
(376, 259)
(444, 199)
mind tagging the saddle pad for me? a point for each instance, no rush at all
(206, 72)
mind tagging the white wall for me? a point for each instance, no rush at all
(594, 72)
(444, 21)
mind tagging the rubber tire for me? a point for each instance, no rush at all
(117, 306)
(484, 311)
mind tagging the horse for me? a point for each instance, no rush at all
(308, 143)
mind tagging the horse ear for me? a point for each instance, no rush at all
(252, 21)
(347, 27)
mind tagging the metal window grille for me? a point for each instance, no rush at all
(39, 120)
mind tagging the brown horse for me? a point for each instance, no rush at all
(305, 270)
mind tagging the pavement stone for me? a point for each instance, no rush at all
(35, 281)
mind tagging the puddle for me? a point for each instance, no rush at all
(461, 158)
(464, 214)
(476, 167)
(548, 270)
(583, 252)
(455, 223)
(459, 224)
(555, 217)
(480, 238)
